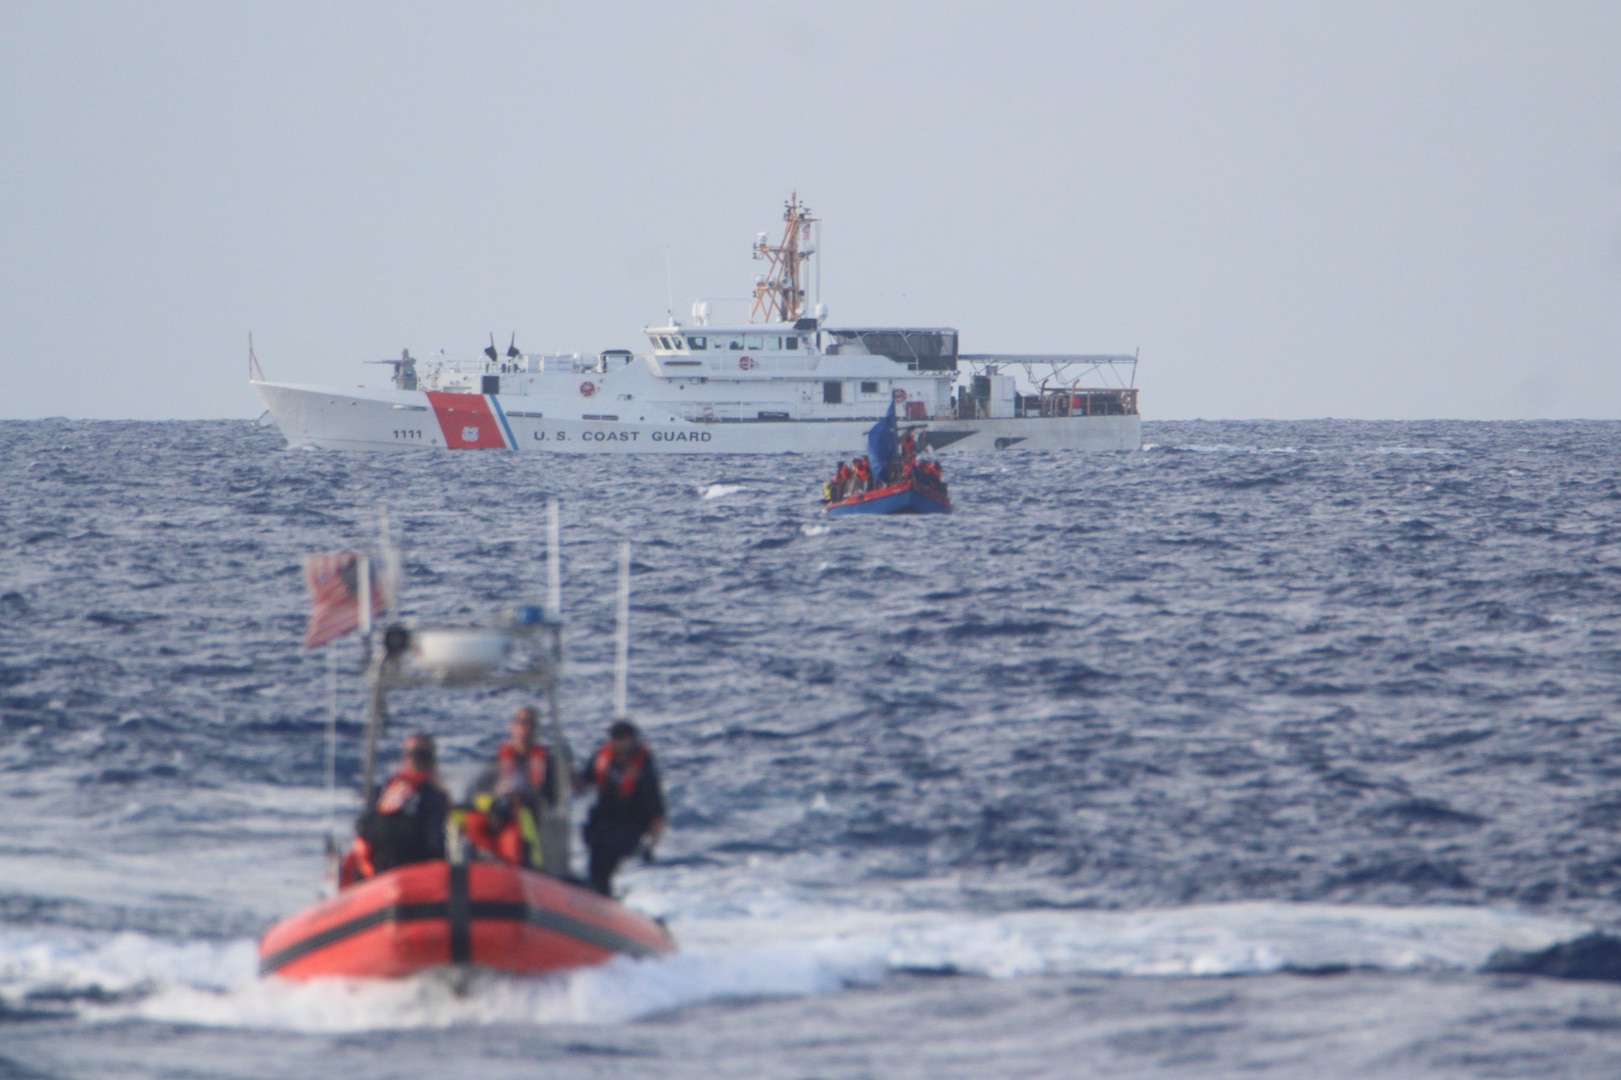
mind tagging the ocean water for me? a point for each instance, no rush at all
(1238, 755)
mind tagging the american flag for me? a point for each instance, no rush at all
(333, 581)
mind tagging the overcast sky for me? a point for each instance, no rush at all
(1293, 209)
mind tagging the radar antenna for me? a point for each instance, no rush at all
(778, 295)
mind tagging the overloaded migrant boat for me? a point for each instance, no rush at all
(908, 496)
(891, 479)
(473, 907)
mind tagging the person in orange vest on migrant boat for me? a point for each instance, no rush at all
(406, 822)
(841, 482)
(863, 476)
(629, 811)
(830, 490)
(930, 472)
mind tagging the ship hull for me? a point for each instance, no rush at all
(329, 419)
(433, 915)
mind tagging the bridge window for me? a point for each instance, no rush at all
(833, 393)
(869, 388)
(697, 343)
(756, 341)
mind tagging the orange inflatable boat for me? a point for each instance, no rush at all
(433, 914)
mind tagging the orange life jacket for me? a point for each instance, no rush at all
(356, 865)
(401, 786)
(507, 844)
(627, 779)
(507, 764)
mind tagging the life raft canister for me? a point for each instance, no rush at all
(587, 388)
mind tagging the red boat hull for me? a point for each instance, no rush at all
(433, 914)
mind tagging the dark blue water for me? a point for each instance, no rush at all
(1238, 754)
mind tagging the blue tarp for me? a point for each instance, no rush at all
(883, 443)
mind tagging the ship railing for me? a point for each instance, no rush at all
(723, 411)
(568, 363)
(1057, 369)
(1078, 401)
(1059, 402)
(446, 366)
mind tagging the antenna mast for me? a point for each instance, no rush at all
(778, 294)
(255, 372)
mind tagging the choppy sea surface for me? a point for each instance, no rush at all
(1236, 755)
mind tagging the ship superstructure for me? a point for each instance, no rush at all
(785, 381)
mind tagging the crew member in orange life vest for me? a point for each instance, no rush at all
(407, 822)
(522, 766)
(512, 796)
(629, 812)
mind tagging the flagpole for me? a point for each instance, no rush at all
(329, 844)
(622, 653)
(363, 583)
(391, 562)
(554, 560)
(331, 739)
(555, 840)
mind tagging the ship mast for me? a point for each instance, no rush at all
(778, 295)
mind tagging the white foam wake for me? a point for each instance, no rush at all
(792, 952)
(32, 961)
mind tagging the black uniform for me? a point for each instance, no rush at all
(407, 823)
(629, 799)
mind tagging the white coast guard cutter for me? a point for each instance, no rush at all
(784, 381)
